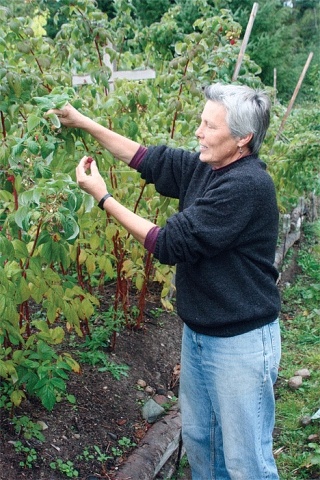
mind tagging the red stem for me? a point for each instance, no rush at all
(79, 269)
(179, 95)
(143, 292)
(3, 125)
(139, 198)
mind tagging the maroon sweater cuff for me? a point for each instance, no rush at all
(138, 157)
(151, 239)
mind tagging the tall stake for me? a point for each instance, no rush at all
(275, 85)
(294, 96)
(245, 41)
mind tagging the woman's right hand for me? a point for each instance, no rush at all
(89, 178)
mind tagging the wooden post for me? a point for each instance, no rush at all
(275, 85)
(291, 230)
(124, 74)
(294, 96)
(245, 41)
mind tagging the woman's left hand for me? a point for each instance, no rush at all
(92, 182)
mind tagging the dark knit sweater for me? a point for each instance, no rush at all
(222, 240)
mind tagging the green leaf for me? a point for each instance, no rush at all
(21, 217)
(58, 383)
(32, 122)
(70, 226)
(94, 241)
(20, 249)
(47, 397)
(23, 291)
(70, 145)
(2, 304)
(6, 248)
(46, 149)
(17, 396)
(17, 149)
(54, 120)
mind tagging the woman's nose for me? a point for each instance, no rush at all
(198, 132)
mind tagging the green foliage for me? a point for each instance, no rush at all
(124, 444)
(295, 155)
(27, 428)
(282, 38)
(30, 455)
(148, 11)
(66, 468)
(35, 369)
(56, 247)
(93, 349)
(300, 338)
(96, 454)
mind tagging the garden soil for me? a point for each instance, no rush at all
(106, 410)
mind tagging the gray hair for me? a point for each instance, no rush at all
(248, 111)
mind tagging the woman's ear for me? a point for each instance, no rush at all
(244, 141)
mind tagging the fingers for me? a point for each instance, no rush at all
(59, 113)
(91, 183)
(64, 112)
(87, 163)
(83, 165)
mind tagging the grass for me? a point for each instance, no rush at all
(297, 450)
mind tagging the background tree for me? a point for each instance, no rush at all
(282, 37)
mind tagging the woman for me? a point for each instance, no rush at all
(223, 242)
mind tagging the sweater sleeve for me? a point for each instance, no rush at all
(169, 169)
(138, 157)
(151, 239)
(226, 218)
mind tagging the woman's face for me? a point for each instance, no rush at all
(217, 147)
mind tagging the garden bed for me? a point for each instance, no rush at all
(106, 419)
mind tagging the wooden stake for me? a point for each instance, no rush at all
(245, 41)
(294, 96)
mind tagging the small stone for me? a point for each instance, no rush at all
(314, 437)
(151, 411)
(303, 372)
(140, 395)
(295, 382)
(113, 436)
(76, 436)
(42, 424)
(161, 390)
(161, 399)
(141, 383)
(304, 421)
(149, 390)
(316, 415)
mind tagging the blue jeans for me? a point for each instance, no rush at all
(227, 403)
